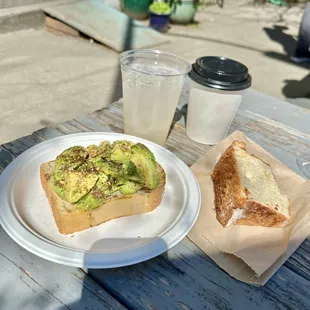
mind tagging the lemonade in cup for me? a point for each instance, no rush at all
(152, 84)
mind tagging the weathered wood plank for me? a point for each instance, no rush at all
(178, 143)
(47, 133)
(283, 142)
(81, 125)
(275, 109)
(32, 283)
(185, 277)
(37, 282)
(300, 261)
(20, 145)
(5, 158)
(92, 125)
(112, 117)
(147, 280)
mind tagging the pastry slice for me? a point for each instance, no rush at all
(246, 192)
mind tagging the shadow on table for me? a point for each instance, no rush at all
(178, 115)
(185, 278)
(97, 296)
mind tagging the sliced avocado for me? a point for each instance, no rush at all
(96, 161)
(102, 151)
(93, 150)
(86, 168)
(108, 168)
(94, 199)
(69, 159)
(118, 173)
(86, 177)
(121, 151)
(133, 174)
(58, 176)
(78, 184)
(129, 188)
(145, 162)
(104, 184)
(59, 190)
(72, 157)
(106, 148)
(130, 168)
(116, 183)
(58, 181)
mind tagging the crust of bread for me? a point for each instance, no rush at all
(260, 215)
(229, 196)
(70, 220)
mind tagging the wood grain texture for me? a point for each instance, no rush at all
(30, 282)
(163, 282)
(277, 110)
(19, 146)
(184, 277)
(38, 283)
(5, 158)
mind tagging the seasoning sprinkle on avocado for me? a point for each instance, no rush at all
(86, 177)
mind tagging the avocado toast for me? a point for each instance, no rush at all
(89, 186)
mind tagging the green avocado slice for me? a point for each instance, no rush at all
(85, 177)
(103, 150)
(72, 157)
(94, 199)
(78, 184)
(97, 196)
(121, 151)
(145, 162)
(129, 188)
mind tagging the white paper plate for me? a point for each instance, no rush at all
(27, 217)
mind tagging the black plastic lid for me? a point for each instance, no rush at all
(221, 73)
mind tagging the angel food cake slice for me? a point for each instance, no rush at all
(246, 192)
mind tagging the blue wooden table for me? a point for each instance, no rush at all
(184, 277)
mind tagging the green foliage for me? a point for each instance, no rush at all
(160, 8)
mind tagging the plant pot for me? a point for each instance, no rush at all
(159, 22)
(183, 12)
(137, 9)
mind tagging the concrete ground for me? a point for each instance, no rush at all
(47, 77)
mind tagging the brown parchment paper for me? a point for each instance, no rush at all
(248, 253)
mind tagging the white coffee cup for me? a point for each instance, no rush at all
(216, 88)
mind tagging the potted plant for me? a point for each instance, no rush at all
(159, 16)
(183, 11)
(137, 9)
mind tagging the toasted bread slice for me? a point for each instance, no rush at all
(246, 192)
(69, 219)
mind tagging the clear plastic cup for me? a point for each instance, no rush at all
(216, 88)
(152, 84)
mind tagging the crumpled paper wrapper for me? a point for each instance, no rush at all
(249, 253)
